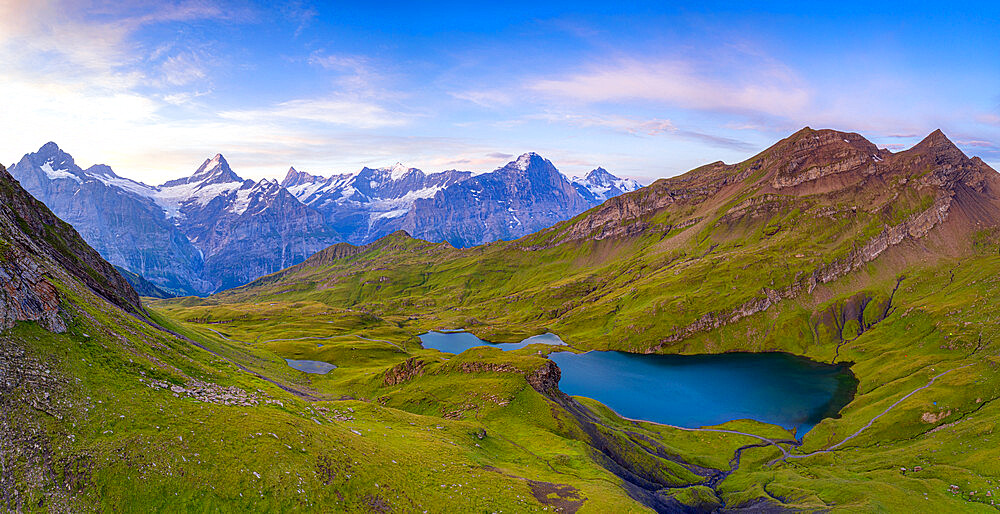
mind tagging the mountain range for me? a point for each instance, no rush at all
(824, 246)
(214, 230)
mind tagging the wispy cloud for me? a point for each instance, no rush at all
(300, 13)
(772, 90)
(486, 98)
(989, 119)
(977, 143)
(335, 111)
(643, 127)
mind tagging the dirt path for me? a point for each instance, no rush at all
(320, 338)
(772, 442)
(868, 425)
(301, 394)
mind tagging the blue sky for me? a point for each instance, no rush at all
(643, 89)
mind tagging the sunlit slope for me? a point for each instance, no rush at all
(107, 406)
(822, 245)
(819, 213)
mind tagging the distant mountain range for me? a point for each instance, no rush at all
(214, 230)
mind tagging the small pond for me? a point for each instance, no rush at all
(315, 367)
(694, 390)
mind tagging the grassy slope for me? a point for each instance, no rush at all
(634, 293)
(112, 441)
(935, 326)
(173, 453)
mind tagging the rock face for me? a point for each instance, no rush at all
(520, 198)
(454, 206)
(371, 203)
(600, 185)
(244, 229)
(194, 235)
(37, 248)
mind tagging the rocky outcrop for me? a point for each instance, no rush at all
(36, 246)
(403, 372)
(809, 155)
(545, 378)
(26, 295)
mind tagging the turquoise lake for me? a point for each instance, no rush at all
(694, 390)
(458, 342)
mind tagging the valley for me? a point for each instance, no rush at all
(822, 247)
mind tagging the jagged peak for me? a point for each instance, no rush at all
(101, 169)
(215, 171)
(600, 174)
(938, 144)
(397, 171)
(210, 165)
(936, 139)
(295, 177)
(50, 152)
(49, 147)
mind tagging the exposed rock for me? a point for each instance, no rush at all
(404, 371)
(545, 378)
(114, 215)
(522, 197)
(36, 246)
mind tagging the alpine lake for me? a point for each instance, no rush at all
(691, 391)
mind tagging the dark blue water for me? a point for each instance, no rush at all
(458, 342)
(315, 367)
(700, 390)
(692, 390)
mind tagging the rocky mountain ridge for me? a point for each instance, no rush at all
(213, 230)
(816, 207)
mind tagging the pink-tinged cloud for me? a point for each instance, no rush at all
(989, 119)
(772, 91)
(977, 143)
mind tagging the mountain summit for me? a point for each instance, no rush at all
(215, 170)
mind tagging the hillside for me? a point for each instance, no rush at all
(102, 408)
(723, 242)
(822, 245)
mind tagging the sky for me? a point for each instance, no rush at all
(646, 90)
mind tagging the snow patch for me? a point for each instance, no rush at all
(58, 174)
(398, 171)
(391, 214)
(127, 184)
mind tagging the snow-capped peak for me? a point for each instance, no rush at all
(398, 171)
(524, 161)
(600, 184)
(211, 164)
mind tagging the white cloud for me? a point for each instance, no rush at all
(486, 98)
(335, 111)
(771, 90)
